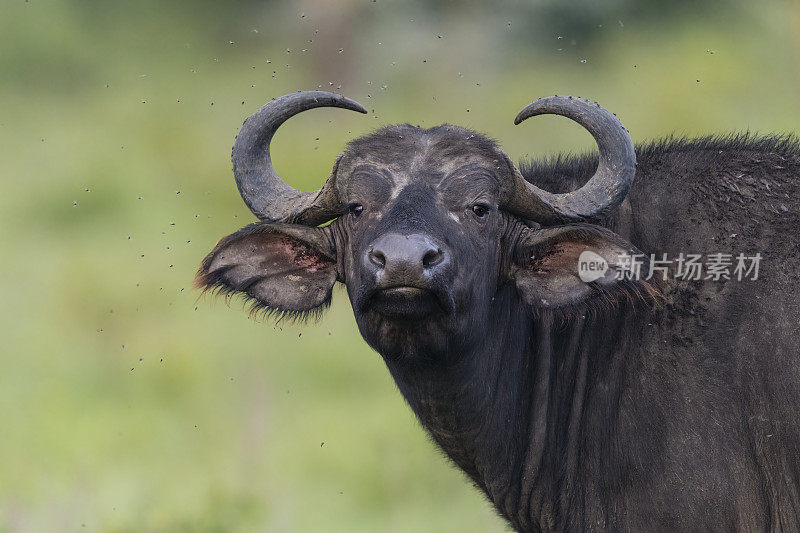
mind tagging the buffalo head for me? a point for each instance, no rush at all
(428, 225)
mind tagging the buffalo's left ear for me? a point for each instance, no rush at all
(562, 266)
(282, 267)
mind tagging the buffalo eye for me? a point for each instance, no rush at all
(356, 210)
(481, 210)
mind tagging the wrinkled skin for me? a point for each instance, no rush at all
(612, 405)
(405, 191)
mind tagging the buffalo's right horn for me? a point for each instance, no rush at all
(265, 193)
(604, 191)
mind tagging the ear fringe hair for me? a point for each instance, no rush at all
(211, 283)
(644, 296)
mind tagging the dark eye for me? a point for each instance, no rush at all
(356, 210)
(480, 210)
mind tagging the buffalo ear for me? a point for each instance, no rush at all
(284, 268)
(548, 275)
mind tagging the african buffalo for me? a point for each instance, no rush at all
(623, 402)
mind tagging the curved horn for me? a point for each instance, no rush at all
(605, 190)
(265, 193)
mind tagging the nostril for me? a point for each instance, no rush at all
(377, 258)
(432, 258)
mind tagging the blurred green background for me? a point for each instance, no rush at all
(127, 404)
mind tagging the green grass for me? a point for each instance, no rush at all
(127, 404)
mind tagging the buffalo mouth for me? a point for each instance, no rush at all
(405, 302)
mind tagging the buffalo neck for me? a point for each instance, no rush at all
(508, 409)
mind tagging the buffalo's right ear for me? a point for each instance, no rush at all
(562, 266)
(286, 268)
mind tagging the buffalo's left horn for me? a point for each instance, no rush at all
(604, 191)
(265, 193)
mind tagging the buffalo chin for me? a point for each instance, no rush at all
(405, 304)
(405, 323)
